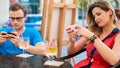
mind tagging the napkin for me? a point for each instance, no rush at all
(24, 55)
(53, 63)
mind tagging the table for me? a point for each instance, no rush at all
(36, 61)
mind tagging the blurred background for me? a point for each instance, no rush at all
(35, 8)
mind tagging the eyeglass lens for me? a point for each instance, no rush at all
(17, 18)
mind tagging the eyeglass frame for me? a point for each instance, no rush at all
(16, 18)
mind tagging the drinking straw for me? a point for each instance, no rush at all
(52, 41)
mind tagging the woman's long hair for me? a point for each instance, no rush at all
(104, 5)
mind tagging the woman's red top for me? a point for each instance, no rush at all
(98, 62)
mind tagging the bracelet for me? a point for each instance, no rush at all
(92, 39)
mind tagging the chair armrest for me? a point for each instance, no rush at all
(116, 65)
(72, 55)
(84, 49)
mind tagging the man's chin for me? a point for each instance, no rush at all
(16, 28)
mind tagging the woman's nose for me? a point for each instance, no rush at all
(96, 18)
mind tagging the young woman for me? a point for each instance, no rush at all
(101, 39)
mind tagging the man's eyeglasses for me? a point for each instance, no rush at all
(16, 18)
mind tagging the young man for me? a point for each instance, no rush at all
(9, 42)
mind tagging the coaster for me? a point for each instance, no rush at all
(24, 55)
(53, 63)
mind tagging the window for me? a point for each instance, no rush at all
(31, 5)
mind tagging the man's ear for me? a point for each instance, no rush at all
(26, 17)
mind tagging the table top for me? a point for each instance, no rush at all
(36, 61)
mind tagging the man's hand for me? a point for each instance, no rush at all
(3, 37)
(14, 38)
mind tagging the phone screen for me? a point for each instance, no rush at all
(3, 33)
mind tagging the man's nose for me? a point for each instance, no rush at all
(15, 21)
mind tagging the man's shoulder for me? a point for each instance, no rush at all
(5, 29)
(31, 29)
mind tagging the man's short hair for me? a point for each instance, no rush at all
(18, 6)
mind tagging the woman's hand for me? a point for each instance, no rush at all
(71, 34)
(83, 32)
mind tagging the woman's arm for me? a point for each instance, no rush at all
(78, 45)
(112, 56)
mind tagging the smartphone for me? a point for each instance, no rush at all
(11, 33)
(3, 33)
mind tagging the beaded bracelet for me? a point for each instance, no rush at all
(92, 39)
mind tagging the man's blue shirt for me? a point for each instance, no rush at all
(9, 48)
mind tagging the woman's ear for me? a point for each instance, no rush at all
(110, 12)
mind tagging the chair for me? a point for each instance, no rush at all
(72, 55)
(83, 50)
(58, 15)
(116, 66)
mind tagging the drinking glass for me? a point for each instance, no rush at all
(24, 44)
(51, 51)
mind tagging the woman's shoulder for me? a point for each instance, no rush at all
(118, 35)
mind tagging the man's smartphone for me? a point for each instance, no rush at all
(3, 33)
(11, 33)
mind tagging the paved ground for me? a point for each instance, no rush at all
(77, 58)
